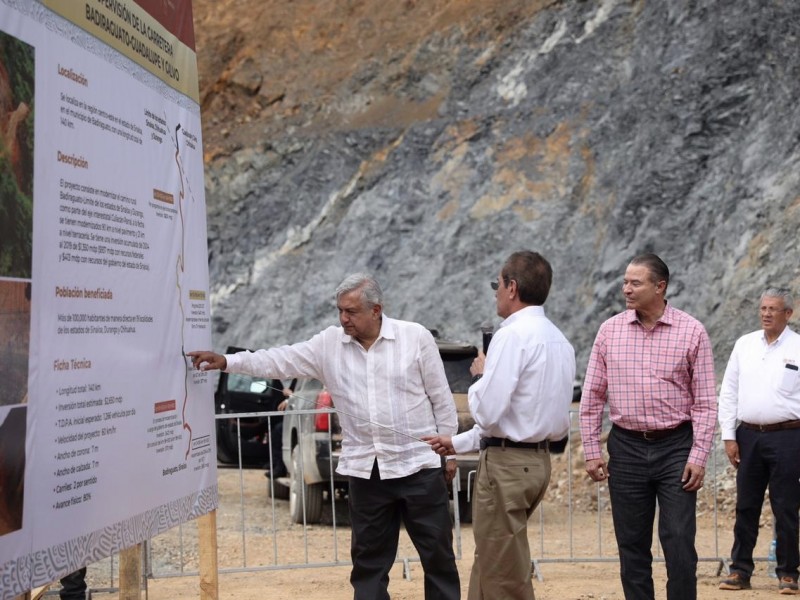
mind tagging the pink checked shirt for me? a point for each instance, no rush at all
(653, 379)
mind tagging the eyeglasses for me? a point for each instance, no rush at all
(771, 310)
(496, 284)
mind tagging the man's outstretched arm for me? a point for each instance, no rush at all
(203, 360)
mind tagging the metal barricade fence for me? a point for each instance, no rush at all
(266, 537)
(575, 503)
(572, 525)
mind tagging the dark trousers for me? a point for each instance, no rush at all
(276, 466)
(641, 473)
(73, 586)
(377, 508)
(770, 458)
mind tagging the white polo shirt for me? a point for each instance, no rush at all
(761, 383)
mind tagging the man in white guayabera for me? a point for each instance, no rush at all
(388, 383)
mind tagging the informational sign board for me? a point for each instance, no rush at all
(106, 433)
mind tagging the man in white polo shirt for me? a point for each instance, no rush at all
(759, 415)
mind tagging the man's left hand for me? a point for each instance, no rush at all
(449, 470)
(476, 368)
(693, 476)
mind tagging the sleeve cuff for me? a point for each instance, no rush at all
(592, 452)
(468, 441)
(698, 457)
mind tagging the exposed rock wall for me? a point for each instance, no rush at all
(590, 131)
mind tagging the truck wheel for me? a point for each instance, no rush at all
(279, 491)
(299, 492)
(226, 453)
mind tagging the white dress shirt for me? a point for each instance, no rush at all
(761, 383)
(396, 387)
(526, 388)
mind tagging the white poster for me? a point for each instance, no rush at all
(103, 286)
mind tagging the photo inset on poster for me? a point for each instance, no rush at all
(15, 335)
(12, 467)
(16, 157)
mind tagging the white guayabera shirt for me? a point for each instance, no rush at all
(394, 390)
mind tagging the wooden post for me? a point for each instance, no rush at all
(37, 593)
(130, 573)
(207, 538)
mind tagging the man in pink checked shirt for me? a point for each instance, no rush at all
(653, 365)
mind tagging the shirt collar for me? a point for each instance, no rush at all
(778, 340)
(532, 311)
(387, 328)
(666, 317)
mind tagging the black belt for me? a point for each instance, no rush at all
(795, 424)
(506, 443)
(653, 434)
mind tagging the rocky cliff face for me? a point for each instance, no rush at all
(425, 140)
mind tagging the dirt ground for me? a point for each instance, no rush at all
(578, 581)
(291, 561)
(561, 582)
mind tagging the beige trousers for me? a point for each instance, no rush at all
(510, 484)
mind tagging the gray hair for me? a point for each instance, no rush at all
(371, 293)
(782, 293)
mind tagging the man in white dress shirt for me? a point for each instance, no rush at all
(520, 402)
(387, 380)
(759, 415)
